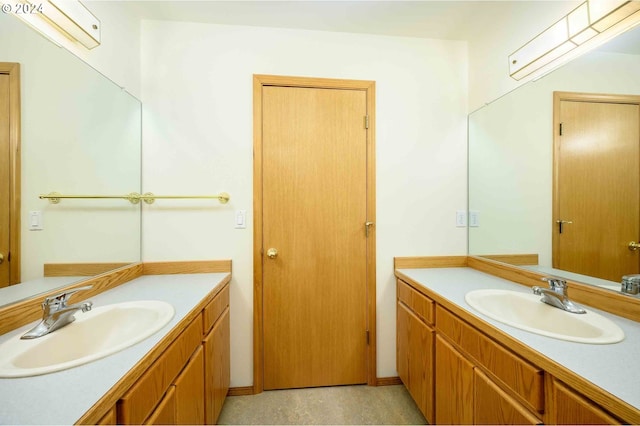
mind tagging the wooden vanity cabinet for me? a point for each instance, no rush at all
(188, 383)
(217, 355)
(140, 401)
(414, 348)
(458, 375)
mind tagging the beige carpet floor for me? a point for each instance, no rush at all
(341, 405)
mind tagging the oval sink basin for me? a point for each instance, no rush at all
(527, 312)
(93, 335)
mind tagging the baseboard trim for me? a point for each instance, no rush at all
(388, 381)
(240, 391)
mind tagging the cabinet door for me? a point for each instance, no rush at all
(492, 405)
(190, 391)
(402, 343)
(415, 359)
(217, 367)
(569, 407)
(165, 412)
(454, 385)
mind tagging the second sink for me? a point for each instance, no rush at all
(527, 312)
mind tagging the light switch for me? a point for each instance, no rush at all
(241, 219)
(35, 220)
(474, 218)
(461, 218)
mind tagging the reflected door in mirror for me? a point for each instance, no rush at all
(597, 175)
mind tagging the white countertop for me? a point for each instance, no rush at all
(65, 396)
(614, 368)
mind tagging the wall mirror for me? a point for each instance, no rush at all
(81, 135)
(511, 152)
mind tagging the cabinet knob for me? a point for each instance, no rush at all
(272, 253)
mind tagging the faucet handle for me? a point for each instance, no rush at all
(556, 284)
(62, 298)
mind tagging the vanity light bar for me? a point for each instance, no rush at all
(587, 26)
(69, 18)
(135, 198)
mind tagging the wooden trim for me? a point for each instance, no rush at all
(13, 70)
(601, 397)
(188, 267)
(513, 259)
(271, 80)
(240, 391)
(79, 269)
(24, 312)
(388, 381)
(429, 262)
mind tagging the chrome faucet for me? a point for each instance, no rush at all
(56, 313)
(557, 295)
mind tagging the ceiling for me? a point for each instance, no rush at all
(447, 20)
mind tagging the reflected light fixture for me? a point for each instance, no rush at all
(589, 25)
(53, 18)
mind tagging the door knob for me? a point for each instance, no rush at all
(1, 258)
(633, 246)
(272, 253)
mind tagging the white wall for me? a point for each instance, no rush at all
(500, 34)
(197, 95)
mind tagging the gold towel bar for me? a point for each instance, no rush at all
(134, 197)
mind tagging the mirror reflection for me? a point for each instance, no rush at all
(512, 175)
(80, 134)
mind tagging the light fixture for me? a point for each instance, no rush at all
(67, 17)
(587, 26)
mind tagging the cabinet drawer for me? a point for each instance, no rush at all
(215, 308)
(421, 305)
(523, 378)
(139, 401)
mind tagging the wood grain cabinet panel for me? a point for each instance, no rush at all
(108, 419)
(415, 357)
(217, 367)
(421, 305)
(524, 378)
(165, 412)
(568, 407)
(454, 385)
(138, 402)
(190, 391)
(492, 405)
(215, 308)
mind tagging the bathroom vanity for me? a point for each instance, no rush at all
(463, 367)
(180, 374)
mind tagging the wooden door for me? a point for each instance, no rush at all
(314, 209)
(9, 173)
(421, 377)
(597, 178)
(217, 367)
(454, 386)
